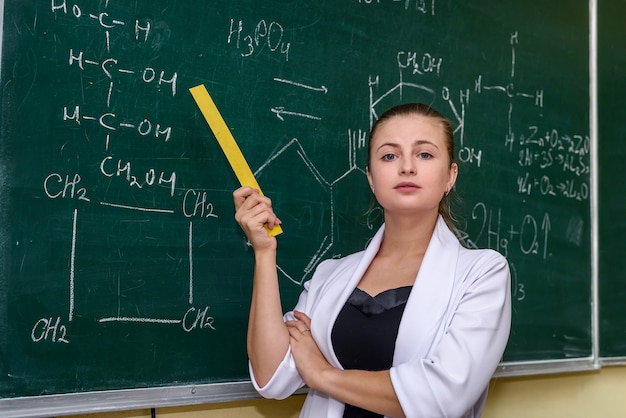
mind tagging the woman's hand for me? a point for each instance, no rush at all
(310, 361)
(252, 213)
(369, 390)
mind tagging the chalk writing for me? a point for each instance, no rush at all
(423, 6)
(152, 177)
(532, 237)
(518, 289)
(49, 330)
(425, 63)
(264, 35)
(109, 122)
(194, 204)
(57, 186)
(197, 319)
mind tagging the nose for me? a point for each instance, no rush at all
(408, 166)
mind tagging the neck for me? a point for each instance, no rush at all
(407, 236)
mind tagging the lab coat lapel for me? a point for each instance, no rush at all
(338, 292)
(429, 298)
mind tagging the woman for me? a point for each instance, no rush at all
(413, 326)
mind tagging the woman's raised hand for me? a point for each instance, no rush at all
(253, 212)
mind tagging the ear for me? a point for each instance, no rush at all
(452, 175)
(369, 178)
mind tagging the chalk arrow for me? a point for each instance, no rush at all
(280, 111)
(323, 89)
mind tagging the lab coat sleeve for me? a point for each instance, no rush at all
(285, 381)
(449, 380)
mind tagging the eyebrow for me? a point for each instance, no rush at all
(416, 143)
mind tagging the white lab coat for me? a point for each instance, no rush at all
(451, 338)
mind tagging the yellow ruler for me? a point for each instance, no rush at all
(227, 143)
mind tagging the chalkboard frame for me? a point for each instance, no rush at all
(115, 400)
(127, 399)
(606, 98)
(168, 396)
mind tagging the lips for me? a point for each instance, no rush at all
(406, 186)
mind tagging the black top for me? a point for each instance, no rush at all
(365, 332)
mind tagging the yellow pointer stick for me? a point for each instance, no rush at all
(227, 143)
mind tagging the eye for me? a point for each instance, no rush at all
(388, 157)
(424, 155)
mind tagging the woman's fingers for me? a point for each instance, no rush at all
(297, 330)
(303, 318)
(247, 198)
(253, 212)
(241, 194)
(300, 326)
(256, 210)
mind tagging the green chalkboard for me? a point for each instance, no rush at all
(612, 191)
(121, 266)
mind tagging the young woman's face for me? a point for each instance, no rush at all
(409, 169)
